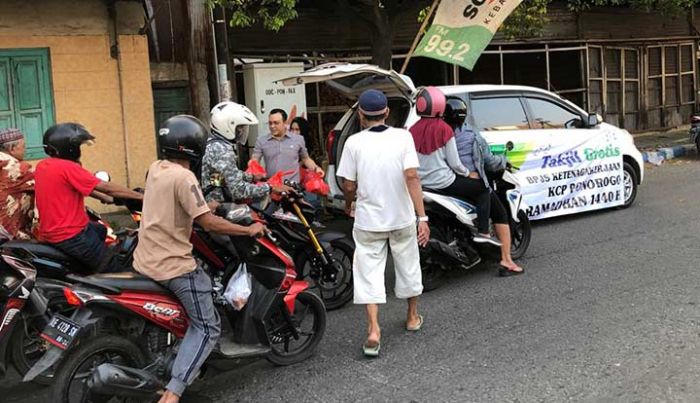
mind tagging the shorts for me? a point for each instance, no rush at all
(369, 264)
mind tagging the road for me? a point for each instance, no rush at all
(608, 310)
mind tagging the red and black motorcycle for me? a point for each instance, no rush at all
(123, 338)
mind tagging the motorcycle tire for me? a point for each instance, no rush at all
(306, 301)
(432, 273)
(520, 234)
(337, 295)
(80, 354)
(22, 352)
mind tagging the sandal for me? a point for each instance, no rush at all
(371, 350)
(416, 327)
(504, 271)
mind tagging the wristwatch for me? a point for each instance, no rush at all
(423, 219)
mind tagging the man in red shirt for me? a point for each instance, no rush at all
(61, 184)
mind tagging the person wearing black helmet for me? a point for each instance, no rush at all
(61, 185)
(475, 154)
(173, 202)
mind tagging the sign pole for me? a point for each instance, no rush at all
(418, 35)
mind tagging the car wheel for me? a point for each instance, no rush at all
(629, 181)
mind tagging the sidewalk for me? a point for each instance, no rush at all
(659, 146)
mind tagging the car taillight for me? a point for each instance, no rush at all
(329, 146)
(71, 297)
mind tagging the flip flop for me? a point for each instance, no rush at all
(371, 351)
(504, 271)
(416, 327)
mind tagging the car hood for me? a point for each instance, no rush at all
(352, 79)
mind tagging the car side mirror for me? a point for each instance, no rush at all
(103, 176)
(593, 120)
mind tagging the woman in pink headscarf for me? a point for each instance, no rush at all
(440, 166)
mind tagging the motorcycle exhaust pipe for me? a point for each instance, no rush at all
(117, 380)
(444, 250)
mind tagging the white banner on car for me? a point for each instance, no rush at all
(572, 177)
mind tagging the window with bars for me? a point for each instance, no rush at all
(671, 80)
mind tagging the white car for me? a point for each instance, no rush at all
(569, 160)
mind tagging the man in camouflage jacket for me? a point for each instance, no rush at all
(222, 181)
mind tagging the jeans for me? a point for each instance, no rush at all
(88, 248)
(194, 291)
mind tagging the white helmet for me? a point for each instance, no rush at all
(231, 120)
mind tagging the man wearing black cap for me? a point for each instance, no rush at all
(379, 167)
(16, 187)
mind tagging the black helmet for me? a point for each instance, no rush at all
(64, 140)
(455, 112)
(183, 136)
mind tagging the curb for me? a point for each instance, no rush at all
(667, 153)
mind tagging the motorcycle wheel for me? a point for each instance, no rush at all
(338, 293)
(309, 319)
(432, 273)
(75, 369)
(27, 347)
(520, 234)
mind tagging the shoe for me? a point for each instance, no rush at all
(416, 327)
(478, 238)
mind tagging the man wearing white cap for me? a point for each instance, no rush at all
(16, 187)
(379, 165)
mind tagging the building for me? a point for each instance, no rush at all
(637, 69)
(83, 61)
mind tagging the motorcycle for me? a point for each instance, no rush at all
(695, 130)
(139, 322)
(25, 346)
(452, 228)
(323, 256)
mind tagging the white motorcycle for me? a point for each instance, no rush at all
(452, 228)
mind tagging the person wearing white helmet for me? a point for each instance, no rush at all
(221, 178)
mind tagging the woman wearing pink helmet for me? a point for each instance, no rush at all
(440, 166)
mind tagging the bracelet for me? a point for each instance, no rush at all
(423, 219)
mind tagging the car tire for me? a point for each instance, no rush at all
(630, 183)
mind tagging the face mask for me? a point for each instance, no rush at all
(242, 134)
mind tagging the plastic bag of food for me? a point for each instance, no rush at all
(238, 288)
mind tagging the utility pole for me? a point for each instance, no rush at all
(225, 68)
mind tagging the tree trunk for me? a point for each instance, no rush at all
(382, 39)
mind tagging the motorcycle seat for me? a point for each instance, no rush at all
(118, 282)
(40, 250)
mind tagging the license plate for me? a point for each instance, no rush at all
(60, 331)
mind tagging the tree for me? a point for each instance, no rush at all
(379, 16)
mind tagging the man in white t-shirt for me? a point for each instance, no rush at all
(378, 166)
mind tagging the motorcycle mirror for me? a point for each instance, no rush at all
(510, 146)
(103, 176)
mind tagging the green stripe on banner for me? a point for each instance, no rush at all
(461, 46)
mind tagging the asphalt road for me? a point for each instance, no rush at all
(608, 310)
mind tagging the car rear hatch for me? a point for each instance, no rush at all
(351, 79)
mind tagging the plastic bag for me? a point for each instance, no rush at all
(278, 180)
(314, 183)
(254, 168)
(238, 288)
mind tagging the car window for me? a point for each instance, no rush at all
(548, 115)
(499, 114)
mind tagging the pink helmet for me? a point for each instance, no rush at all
(430, 102)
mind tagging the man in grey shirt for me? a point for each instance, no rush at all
(283, 151)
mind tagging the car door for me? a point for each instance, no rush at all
(576, 168)
(502, 120)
